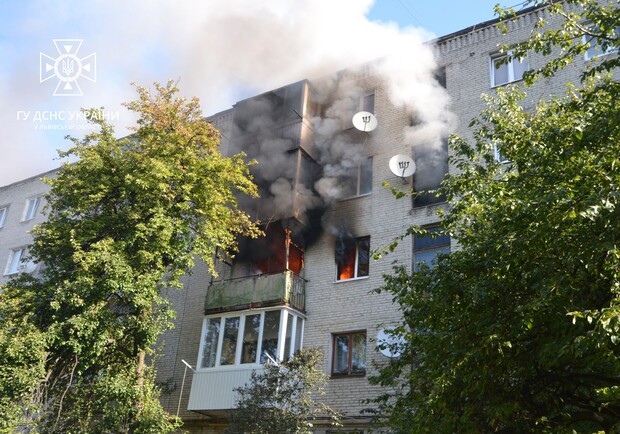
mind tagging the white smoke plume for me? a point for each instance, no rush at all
(219, 50)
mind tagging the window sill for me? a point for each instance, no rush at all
(360, 375)
(494, 86)
(344, 199)
(351, 279)
(226, 368)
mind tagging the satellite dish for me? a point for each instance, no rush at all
(365, 121)
(390, 341)
(28, 267)
(402, 165)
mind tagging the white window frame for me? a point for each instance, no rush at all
(594, 51)
(356, 270)
(298, 325)
(14, 263)
(510, 65)
(31, 208)
(358, 171)
(4, 211)
(497, 155)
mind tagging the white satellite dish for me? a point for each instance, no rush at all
(28, 267)
(402, 165)
(389, 340)
(365, 121)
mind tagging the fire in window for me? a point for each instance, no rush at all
(352, 258)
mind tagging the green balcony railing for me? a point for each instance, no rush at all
(261, 290)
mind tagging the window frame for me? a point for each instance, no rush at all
(30, 211)
(356, 266)
(592, 52)
(4, 212)
(497, 155)
(437, 248)
(286, 316)
(362, 172)
(13, 267)
(350, 335)
(510, 65)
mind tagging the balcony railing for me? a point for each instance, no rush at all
(282, 289)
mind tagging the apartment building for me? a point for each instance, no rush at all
(324, 209)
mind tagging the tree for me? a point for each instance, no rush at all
(125, 222)
(584, 24)
(280, 400)
(517, 330)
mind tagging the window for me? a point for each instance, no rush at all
(497, 155)
(367, 103)
(32, 205)
(352, 258)
(431, 168)
(3, 213)
(15, 261)
(359, 181)
(506, 71)
(426, 247)
(349, 355)
(599, 48)
(250, 338)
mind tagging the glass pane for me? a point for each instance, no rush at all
(366, 177)
(368, 103)
(3, 212)
(298, 334)
(289, 335)
(16, 258)
(249, 351)
(428, 256)
(500, 72)
(519, 67)
(341, 355)
(229, 342)
(358, 353)
(363, 259)
(271, 330)
(211, 336)
(426, 241)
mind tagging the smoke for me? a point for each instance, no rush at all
(221, 51)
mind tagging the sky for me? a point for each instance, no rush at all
(59, 57)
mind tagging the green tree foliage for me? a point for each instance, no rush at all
(583, 24)
(125, 222)
(518, 329)
(281, 400)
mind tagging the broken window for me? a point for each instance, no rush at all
(352, 258)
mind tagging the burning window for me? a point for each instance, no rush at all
(352, 258)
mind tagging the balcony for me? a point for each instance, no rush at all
(263, 290)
